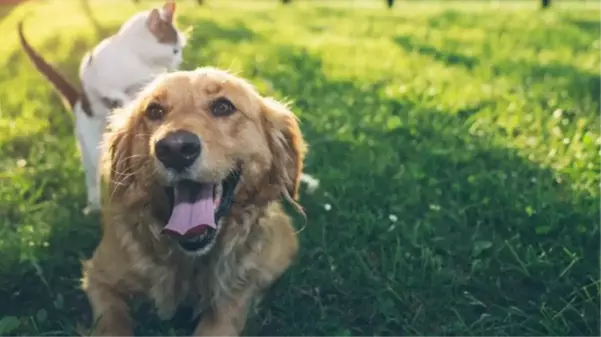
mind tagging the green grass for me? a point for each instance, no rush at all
(475, 126)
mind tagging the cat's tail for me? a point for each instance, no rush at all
(60, 83)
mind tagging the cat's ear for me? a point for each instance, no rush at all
(169, 10)
(154, 20)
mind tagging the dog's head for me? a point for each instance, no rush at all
(206, 141)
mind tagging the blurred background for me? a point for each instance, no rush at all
(456, 144)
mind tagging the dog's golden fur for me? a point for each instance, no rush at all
(256, 243)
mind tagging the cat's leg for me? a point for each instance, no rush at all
(89, 135)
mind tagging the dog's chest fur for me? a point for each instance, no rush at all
(255, 246)
(169, 277)
(170, 290)
(172, 278)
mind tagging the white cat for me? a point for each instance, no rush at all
(146, 45)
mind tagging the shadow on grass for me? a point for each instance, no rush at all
(471, 214)
(42, 284)
(451, 18)
(579, 85)
(410, 44)
(566, 80)
(591, 27)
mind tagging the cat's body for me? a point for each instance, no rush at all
(112, 74)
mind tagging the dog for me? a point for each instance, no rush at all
(195, 169)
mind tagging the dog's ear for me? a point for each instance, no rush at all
(287, 146)
(117, 155)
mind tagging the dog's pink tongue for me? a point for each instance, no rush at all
(193, 210)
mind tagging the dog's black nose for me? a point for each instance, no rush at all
(178, 149)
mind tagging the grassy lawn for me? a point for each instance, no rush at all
(457, 148)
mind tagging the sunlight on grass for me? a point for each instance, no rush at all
(457, 148)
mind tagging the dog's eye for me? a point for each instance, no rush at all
(222, 107)
(154, 111)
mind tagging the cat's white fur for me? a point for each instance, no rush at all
(116, 70)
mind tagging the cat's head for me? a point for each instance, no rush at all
(155, 37)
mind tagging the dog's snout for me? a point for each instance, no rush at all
(178, 149)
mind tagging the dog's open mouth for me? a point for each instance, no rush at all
(196, 210)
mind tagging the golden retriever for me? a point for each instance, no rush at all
(195, 168)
